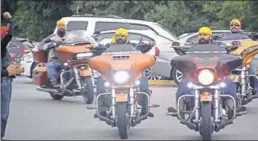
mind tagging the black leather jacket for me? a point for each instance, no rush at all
(5, 56)
(141, 46)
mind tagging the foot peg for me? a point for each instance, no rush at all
(223, 125)
(241, 113)
(171, 114)
(90, 107)
(154, 106)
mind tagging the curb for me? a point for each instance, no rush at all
(170, 83)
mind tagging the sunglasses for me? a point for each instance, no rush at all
(120, 36)
(203, 34)
(234, 25)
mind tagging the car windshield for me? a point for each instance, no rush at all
(78, 36)
(168, 32)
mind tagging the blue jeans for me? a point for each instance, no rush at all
(52, 69)
(229, 89)
(6, 89)
(252, 71)
(144, 87)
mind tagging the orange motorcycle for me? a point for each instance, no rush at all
(121, 66)
(75, 76)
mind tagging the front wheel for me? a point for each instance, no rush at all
(206, 122)
(122, 120)
(88, 92)
(177, 76)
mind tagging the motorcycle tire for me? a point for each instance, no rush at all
(122, 120)
(88, 92)
(206, 122)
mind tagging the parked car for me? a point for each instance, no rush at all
(193, 37)
(27, 61)
(17, 49)
(93, 24)
(162, 50)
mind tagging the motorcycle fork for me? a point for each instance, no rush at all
(131, 102)
(216, 105)
(197, 104)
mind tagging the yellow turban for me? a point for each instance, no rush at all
(205, 30)
(235, 21)
(121, 31)
(60, 22)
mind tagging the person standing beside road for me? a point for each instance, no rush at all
(7, 72)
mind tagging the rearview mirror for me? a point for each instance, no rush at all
(175, 44)
(97, 32)
(151, 43)
(216, 37)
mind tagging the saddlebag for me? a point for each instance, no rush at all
(40, 75)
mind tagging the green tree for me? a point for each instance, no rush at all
(36, 19)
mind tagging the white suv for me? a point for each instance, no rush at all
(94, 25)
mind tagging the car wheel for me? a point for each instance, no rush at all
(151, 76)
(31, 69)
(177, 76)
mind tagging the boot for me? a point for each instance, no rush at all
(253, 82)
(230, 104)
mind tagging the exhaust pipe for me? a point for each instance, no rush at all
(46, 90)
(68, 83)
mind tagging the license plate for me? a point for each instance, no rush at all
(121, 97)
(85, 73)
(206, 97)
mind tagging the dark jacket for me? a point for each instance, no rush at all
(5, 56)
(47, 44)
(141, 46)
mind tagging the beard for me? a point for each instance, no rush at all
(203, 41)
(61, 33)
(120, 41)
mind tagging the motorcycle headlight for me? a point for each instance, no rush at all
(206, 77)
(84, 55)
(121, 77)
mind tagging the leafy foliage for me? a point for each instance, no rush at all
(36, 19)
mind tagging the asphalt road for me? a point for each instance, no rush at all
(34, 115)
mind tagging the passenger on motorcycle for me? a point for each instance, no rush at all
(235, 31)
(235, 28)
(121, 37)
(205, 37)
(50, 44)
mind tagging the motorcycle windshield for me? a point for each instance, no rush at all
(235, 36)
(115, 48)
(78, 37)
(206, 56)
